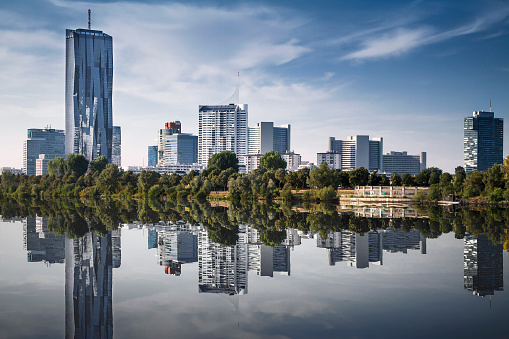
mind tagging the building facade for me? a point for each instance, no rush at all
(222, 128)
(483, 141)
(179, 149)
(116, 146)
(401, 163)
(357, 151)
(152, 156)
(88, 93)
(41, 141)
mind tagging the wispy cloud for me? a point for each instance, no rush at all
(387, 41)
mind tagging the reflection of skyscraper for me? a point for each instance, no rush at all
(221, 269)
(40, 244)
(483, 265)
(175, 248)
(88, 284)
(401, 241)
(354, 249)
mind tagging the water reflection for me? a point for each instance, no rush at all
(226, 244)
(89, 263)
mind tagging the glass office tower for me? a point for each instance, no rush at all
(483, 141)
(88, 93)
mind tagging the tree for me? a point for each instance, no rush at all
(435, 193)
(494, 178)
(98, 164)
(272, 160)
(56, 166)
(374, 179)
(223, 161)
(280, 176)
(395, 180)
(446, 183)
(407, 180)
(434, 178)
(320, 177)
(459, 179)
(107, 180)
(384, 180)
(422, 178)
(76, 164)
(146, 180)
(474, 184)
(359, 177)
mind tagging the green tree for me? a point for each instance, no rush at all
(320, 177)
(108, 179)
(407, 180)
(359, 177)
(459, 179)
(396, 180)
(272, 160)
(474, 184)
(146, 180)
(435, 193)
(384, 180)
(422, 178)
(446, 183)
(98, 164)
(374, 179)
(76, 164)
(434, 178)
(56, 166)
(494, 178)
(223, 161)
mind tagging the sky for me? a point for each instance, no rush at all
(405, 71)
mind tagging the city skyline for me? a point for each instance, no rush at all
(409, 73)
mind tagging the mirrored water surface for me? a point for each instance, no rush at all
(236, 273)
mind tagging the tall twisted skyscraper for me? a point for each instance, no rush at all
(88, 93)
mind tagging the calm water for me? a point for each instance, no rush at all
(172, 281)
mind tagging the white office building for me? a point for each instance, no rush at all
(222, 128)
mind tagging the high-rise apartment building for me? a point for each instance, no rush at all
(152, 156)
(88, 93)
(116, 146)
(222, 128)
(47, 141)
(401, 163)
(482, 141)
(354, 152)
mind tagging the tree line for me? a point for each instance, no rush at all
(75, 176)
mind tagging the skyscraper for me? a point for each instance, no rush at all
(264, 137)
(482, 141)
(48, 141)
(88, 93)
(116, 146)
(152, 156)
(222, 128)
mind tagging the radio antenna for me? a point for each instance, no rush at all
(89, 11)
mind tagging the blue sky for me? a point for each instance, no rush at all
(405, 71)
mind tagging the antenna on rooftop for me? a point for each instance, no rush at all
(89, 11)
(490, 105)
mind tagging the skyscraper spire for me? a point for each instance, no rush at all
(89, 12)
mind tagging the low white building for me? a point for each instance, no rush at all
(177, 168)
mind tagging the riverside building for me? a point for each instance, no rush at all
(401, 163)
(47, 141)
(483, 141)
(354, 152)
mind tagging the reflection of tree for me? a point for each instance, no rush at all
(76, 217)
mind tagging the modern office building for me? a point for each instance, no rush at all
(483, 141)
(264, 137)
(179, 168)
(356, 151)
(293, 161)
(179, 149)
(222, 128)
(116, 146)
(88, 93)
(401, 163)
(47, 141)
(152, 156)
